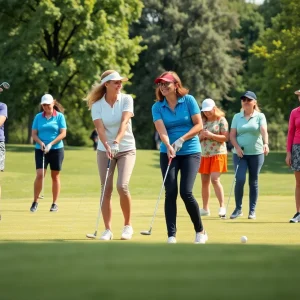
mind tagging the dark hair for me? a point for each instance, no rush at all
(180, 91)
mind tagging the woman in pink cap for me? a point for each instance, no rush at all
(176, 116)
(293, 154)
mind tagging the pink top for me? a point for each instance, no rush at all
(294, 129)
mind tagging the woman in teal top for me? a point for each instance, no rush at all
(48, 130)
(177, 119)
(249, 136)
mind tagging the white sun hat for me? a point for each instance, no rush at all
(208, 104)
(47, 99)
(113, 76)
(297, 92)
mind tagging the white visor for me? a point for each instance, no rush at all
(113, 76)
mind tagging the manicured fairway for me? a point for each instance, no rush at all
(46, 255)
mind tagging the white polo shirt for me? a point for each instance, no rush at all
(111, 118)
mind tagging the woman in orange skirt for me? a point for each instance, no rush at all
(213, 139)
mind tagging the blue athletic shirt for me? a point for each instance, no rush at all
(178, 122)
(49, 129)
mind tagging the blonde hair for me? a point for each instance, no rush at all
(219, 113)
(180, 91)
(98, 90)
(256, 107)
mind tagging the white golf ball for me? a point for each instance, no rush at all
(244, 239)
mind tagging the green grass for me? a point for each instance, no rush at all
(46, 255)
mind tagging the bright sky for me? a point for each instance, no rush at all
(255, 1)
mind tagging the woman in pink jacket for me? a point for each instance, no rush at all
(293, 154)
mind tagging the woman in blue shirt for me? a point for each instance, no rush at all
(177, 119)
(48, 130)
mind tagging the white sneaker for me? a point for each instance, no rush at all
(204, 212)
(295, 218)
(171, 240)
(127, 233)
(106, 235)
(201, 238)
(222, 211)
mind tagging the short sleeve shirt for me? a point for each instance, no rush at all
(178, 122)
(49, 129)
(248, 132)
(111, 118)
(211, 147)
(3, 112)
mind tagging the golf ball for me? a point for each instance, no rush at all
(244, 239)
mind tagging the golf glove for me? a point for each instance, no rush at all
(178, 144)
(47, 148)
(114, 149)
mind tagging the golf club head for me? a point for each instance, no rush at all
(146, 232)
(5, 85)
(41, 197)
(223, 217)
(91, 236)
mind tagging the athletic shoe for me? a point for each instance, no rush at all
(222, 212)
(252, 215)
(201, 238)
(54, 207)
(296, 218)
(236, 213)
(106, 235)
(34, 207)
(127, 233)
(204, 212)
(171, 240)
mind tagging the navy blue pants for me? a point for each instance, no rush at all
(253, 163)
(188, 165)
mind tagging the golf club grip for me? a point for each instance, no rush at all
(108, 163)
(170, 160)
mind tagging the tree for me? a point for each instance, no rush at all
(277, 53)
(60, 47)
(251, 26)
(190, 37)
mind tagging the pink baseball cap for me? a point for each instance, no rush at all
(168, 77)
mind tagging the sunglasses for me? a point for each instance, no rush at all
(246, 99)
(164, 84)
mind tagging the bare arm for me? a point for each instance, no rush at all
(126, 116)
(62, 135)
(265, 137)
(195, 130)
(162, 131)
(220, 138)
(102, 136)
(2, 120)
(234, 143)
(36, 138)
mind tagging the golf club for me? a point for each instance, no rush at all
(94, 235)
(148, 232)
(43, 179)
(233, 183)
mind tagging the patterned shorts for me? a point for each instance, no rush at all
(2, 156)
(296, 157)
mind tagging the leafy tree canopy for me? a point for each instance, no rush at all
(60, 47)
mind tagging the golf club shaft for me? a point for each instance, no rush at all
(102, 197)
(43, 179)
(158, 199)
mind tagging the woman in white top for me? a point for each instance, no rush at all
(112, 112)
